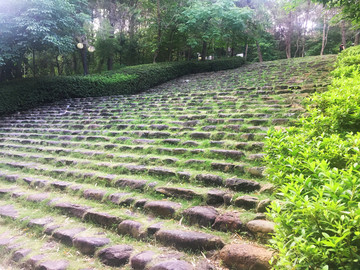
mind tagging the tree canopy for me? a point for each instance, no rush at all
(350, 8)
(39, 37)
(39, 25)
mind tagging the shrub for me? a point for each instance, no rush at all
(28, 93)
(315, 166)
(348, 63)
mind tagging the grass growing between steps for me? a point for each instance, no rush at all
(38, 243)
(181, 142)
(29, 93)
(316, 167)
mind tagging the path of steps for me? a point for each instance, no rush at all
(172, 178)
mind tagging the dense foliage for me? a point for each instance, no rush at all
(52, 37)
(350, 8)
(316, 166)
(38, 25)
(24, 94)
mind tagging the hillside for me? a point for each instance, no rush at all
(174, 175)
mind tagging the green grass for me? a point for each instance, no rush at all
(88, 162)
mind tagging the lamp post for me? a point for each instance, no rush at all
(84, 48)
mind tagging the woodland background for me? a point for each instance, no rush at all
(40, 37)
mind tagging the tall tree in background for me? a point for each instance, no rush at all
(260, 24)
(349, 8)
(235, 22)
(283, 13)
(38, 37)
(36, 26)
(201, 23)
(163, 22)
(213, 22)
(325, 33)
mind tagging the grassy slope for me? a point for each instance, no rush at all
(91, 143)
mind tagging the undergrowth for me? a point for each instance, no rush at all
(316, 168)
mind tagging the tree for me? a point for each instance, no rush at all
(326, 28)
(259, 25)
(162, 28)
(213, 22)
(350, 8)
(201, 24)
(283, 12)
(235, 23)
(38, 25)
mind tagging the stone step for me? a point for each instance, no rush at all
(19, 252)
(152, 173)
(223, 144)
(71, 236)
(212, 197)
(154, 115)
(90, 159)
(188, 240)
(246, 145)
(202, 216)
(206, 102)
(236, 184)
(88, 244)
(118, 130)
(256, 130)
(213, 104)
(99, 247)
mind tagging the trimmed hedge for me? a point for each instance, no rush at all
(316, 167)
(28, 93)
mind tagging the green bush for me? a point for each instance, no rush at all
(316, 167)
(348, 63)
(28, 93)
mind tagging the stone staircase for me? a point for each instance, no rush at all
(172, 178)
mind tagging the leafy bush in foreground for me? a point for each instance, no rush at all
(28, 93)
(316, 166)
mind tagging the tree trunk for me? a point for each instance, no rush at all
(156, 53)
(113, 20)
(58, 65)
(132, 19)
(18, 71)
(34, 64)
(297, 44)
(2, 75)
(100, 65)
(325, 34)
(356, 41)
(110, 62)
(343, 33)
(171, 45)
(84, 60)
(158, 40)
(189, 52)
(132, 24)
(288, 37)
(204, 51)
(305, 28)
(74, 66)
(259, 51)
(112, 14)
(132, 27)
(246, 51)
(232, 48)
